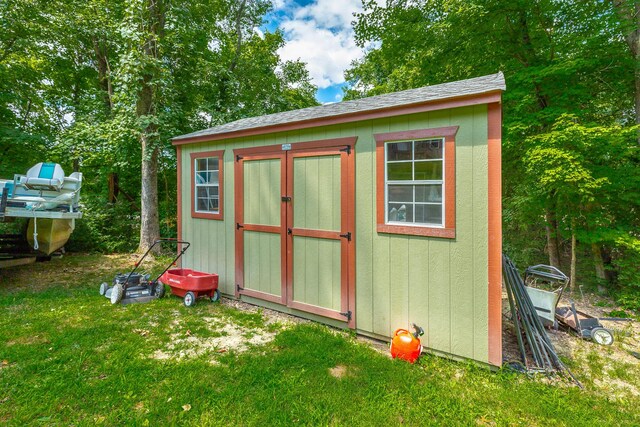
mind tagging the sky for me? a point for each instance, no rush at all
(319, 33)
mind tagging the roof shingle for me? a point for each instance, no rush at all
(475, 86)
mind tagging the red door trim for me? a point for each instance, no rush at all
(345, 148)
(320, 234)
(240, 156)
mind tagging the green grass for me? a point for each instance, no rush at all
(67, 357)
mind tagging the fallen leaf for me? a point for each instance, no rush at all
(186, 407)
(222, 350)
(188, 332)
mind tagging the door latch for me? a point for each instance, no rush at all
(289, 231)
(286, 198)
(238, 226)
(347, 314)
(346, 236)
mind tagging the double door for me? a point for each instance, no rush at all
(294, 218)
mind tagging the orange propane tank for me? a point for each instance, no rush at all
(406, 345)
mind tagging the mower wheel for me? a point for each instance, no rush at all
(116, 293)
(216, 296)
(189, 299)
(103, 288)
(159, 289)
(602, 336)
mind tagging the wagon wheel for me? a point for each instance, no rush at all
(216, 296)
(189, 299)
(103, 288)
(116, 294)
(159, 289)
(602, 336)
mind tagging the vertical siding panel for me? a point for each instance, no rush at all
(462, 321)
(480, 236)
(380, 263)
(398, 260)
(419, 284)
(364, 222)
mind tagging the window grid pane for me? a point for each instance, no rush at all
(207, 184)
(415, 182)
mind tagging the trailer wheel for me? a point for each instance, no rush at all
(116, 294)
(189, 299)
(216, 296)
(159, 289)
(103, 288)
(602, 336)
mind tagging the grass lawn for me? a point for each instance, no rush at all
(68, 357)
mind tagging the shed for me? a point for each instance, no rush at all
(369, 214)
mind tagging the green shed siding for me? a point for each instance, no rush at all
(440, 284)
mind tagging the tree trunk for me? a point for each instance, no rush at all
(146, 107)
(551, 229)
(572, 285)
(599, 266)
(149, 220)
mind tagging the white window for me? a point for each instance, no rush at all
(207, 184)
(414, 183)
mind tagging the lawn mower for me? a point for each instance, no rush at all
(133, 287)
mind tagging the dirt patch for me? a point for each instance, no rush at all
(339, 371)
(230, 336)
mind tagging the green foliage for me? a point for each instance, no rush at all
(627, 263)
(81, 82)
(571, 161)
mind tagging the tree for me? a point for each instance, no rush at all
(104, 85)
(559, 58)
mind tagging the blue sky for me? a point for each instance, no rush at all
(319, 33)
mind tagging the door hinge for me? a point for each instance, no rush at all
(346, 149)
(347, 314)
(239, 288)
(346, 236)
(238, 157)
(286, 198)
(238, 226)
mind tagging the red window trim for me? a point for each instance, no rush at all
(449, 229)
(199, 155)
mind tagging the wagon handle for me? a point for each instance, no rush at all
(183, 244)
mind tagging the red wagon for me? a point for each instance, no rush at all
(191, 284)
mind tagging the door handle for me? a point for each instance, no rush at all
(286, 198)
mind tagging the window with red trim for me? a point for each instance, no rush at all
(206, 184)
(416, 182)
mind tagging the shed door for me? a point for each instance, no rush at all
(294, 221)
(318, 232)
(261, 226)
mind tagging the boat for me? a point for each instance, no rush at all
(48, 199)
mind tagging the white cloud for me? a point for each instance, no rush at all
(321, 35)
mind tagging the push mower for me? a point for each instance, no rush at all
(133, 287)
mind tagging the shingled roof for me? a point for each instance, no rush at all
(458, 89)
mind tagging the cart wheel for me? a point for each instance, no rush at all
(216, 296)
(159, 289)
(103, 288)
(602, 336)
(116, 294)
(189, 299)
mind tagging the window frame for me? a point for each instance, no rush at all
(194, 158)
(447, 230)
